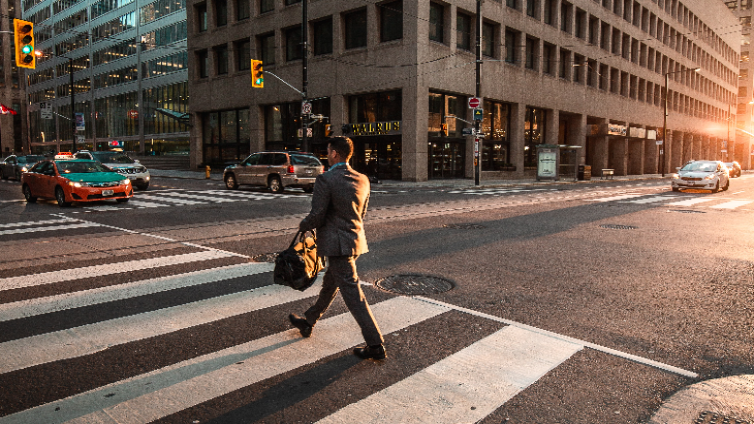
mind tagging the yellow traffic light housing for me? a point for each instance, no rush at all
(24, 36)
(445, 129)
(328, 130)
(257, 74)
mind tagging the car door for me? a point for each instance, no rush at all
(9, 167)
(244, 169)
(260, 169)
(39, 180)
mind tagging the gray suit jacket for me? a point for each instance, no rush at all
(339, 203)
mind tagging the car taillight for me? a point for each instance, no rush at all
(290, 169)
(323, 169)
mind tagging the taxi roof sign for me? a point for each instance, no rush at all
(64, 155)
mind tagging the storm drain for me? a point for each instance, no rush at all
(618, 227)
(707, 417)
(687, 211)
(464, 226)
(415, 284)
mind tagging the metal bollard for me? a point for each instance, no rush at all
(206, 171)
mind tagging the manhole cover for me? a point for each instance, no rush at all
(265, 257)
(415, 284)
(464, 226)
(618, 227)
(687, 211)
(707, 417)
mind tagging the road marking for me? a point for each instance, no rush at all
(31, 223)
(163, 392)
(140, 204)
(92, 338)
(50, 228)
(732, 204)
(193, 196)
(614, 198)
(10, 283)
(40, 306)
(692, 202)
(247, 195)
(466, 386)
(169, 200)
(652, 199)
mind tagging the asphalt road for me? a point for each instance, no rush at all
(571, 303)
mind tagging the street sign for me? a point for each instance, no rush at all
(474, 102)
(79, 139)
(478, 114)
(306, 108)
(467, 131)
(133, 114)
(658, 142)
(309, 133)
(476, 147)
(45, 110)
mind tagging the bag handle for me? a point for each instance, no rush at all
(300, 237)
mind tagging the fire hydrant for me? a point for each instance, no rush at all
(206, 171)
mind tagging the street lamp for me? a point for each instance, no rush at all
(665, 118)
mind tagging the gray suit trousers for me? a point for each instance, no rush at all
(341, 275)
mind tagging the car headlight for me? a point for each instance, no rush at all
(77, 184)
(675, 176)
(709, 177)
(24, 169)
(125, 182)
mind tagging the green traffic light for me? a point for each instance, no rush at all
(26, 49)
(260, 81)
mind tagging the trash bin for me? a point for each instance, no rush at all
(585, 172)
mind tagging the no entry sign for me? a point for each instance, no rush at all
(474, 102)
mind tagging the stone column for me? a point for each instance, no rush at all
(688, 148)
(651, 157)
(552, 126)
(618, 152)
(516, 136)
(676, 151)
(600, 150)
(414, 133)
(577, 135)
(636, 156)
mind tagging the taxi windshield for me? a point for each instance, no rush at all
(83, 167)
(112, 157)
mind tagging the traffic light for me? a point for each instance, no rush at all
(257, 74)
(328, 130)
(445, 129)
(24, 36)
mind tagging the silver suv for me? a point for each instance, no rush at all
(122, 164)
(275, 170)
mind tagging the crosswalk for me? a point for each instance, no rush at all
(111, 345)
(720, 203)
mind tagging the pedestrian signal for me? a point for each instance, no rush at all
(257, 74)
(24, 35)
(445, 129)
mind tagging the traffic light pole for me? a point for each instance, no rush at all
(73, 106)
(304, 64)
(477, 140)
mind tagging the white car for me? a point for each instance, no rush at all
(122, 164)
(702, 174)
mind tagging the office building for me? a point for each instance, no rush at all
(12, 130)
(743, 149)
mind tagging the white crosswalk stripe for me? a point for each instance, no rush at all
(691, 202)
(484, 374)
(733, 204)
(167, 198)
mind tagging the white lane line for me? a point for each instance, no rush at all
(50, 228)
(255, 196)
(466, 386)
(732, 204)
(140, 204)
(169, 199)
(691, 202)
(33, 307)
(603, 349)
(32, 223)
(106, 269)
(193, 196)
(614, 198)
(91, 338)
(149, 397)
(652, 199)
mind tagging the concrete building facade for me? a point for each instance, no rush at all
(396, 77)
(12, 129)
(743, 149)
(129, 62)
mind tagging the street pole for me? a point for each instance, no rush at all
(727, 146)
(73, 107)
(664, 146)
(304, 64)
(477, 140)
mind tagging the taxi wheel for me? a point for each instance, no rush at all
(230, 182)
(676, 189)
(60, 197)
(275, 185)
(122, 200)
(27, 194)
(727, 185)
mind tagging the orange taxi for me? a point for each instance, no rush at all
(76, 180)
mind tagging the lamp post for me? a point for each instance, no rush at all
(663, 146)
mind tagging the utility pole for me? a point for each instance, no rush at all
(304, 64)
(73, 105)
(477, 140)
(664, 144)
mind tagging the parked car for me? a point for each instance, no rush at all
(122, 164)
(13, 166)
(734, 169)
(74, 180)
(702, 174)
(275, 170)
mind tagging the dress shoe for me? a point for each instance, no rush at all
(371, 352)
(301, 324)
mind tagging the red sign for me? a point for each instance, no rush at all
(133, 114)
(474, 102)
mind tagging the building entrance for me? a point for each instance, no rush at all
(378, 156)
(447, 158)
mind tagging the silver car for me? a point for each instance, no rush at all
(122, 164)
(275, 170)
(13, 166)
(702, 174)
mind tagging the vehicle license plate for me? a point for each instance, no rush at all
(308, 171)
(107, 192)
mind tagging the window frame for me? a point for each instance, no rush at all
(436, 22)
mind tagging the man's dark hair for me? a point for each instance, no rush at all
(342, 145)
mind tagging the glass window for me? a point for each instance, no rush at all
(221, 56)
(391, 21)
(267, 48)
(463, 29)
(531, 53)
(512, 4)
(548, 54)
(436, 22)
(322, 31)
(221, 12)
(356, 29)
(496, 147)
(203, 61)
(510, 46)
(293, 44)
(243, 55)
(549, 12)
(533, 130)
(375, 107)
(290, 2)
(488, 39)
(266, 6)
(243, 10)
(531, 8)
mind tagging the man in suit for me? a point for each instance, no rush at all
(339, 204)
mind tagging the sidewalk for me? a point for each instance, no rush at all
(710, 401)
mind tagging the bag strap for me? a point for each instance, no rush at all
(300, 237)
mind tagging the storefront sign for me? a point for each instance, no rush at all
(373, 128)
(637, 132)
(616, 129)
(547, 162)
(652, 134)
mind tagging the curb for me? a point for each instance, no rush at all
(729, 397)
